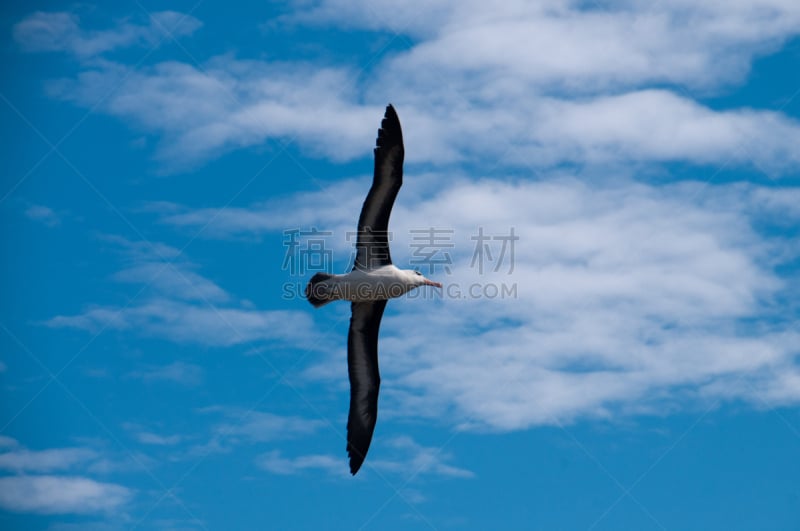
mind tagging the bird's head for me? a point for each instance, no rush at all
(416, 279)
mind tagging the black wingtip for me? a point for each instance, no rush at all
(390, 133)
(356, 458)
(355, 464)
(390, 116)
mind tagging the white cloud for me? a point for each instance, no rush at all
(149, 437)
(637, 295)
(520, 85)
(173, 280)
(657, 125)
(261, 426)
(413, 459)
(239, 427)
(178, 372)
(141, 250)
(50, 460)
(180, 305)
(60, 495)
(61, 32)
(188, 323)
(127, 462)
(568, 44)
(407, 458)
(308, 211)
(203, 114)
(164, 270)
(43, 214)
(20, 460)
(229, 104)
(158, 440)
(46, 493)
(277, 464)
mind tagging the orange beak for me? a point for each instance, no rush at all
(432, 283)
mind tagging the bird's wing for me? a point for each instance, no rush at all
(373, 242)
(362, 364)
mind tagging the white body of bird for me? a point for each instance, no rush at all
(382, 283)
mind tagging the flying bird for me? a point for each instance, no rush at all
(369, 285)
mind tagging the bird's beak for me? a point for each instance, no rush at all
(432, 283)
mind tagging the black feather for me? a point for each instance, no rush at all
(365, 379)
(373, 224)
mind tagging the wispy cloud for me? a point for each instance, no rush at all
(638, 295)
(244, 427)
(179, 372)
(658, 125)
(181, 305)
(260, 426)
(159, 440)
(90, 458)
(309, 209)
(275, 463)
(407, 458)
(541, 130)
(411, 458)
(188, 323)
(175, 281)
(61, 494)
(35, 488)
(595, 101)
(62, 32)
(228, 104)
(149, 437)
(56, 459)
(43, 214)
(162, 268)
(569, 45)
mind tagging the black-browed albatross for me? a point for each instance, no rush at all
(372, 281)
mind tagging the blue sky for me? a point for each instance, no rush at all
(158, 370)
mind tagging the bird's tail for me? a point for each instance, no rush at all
(318, 292)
